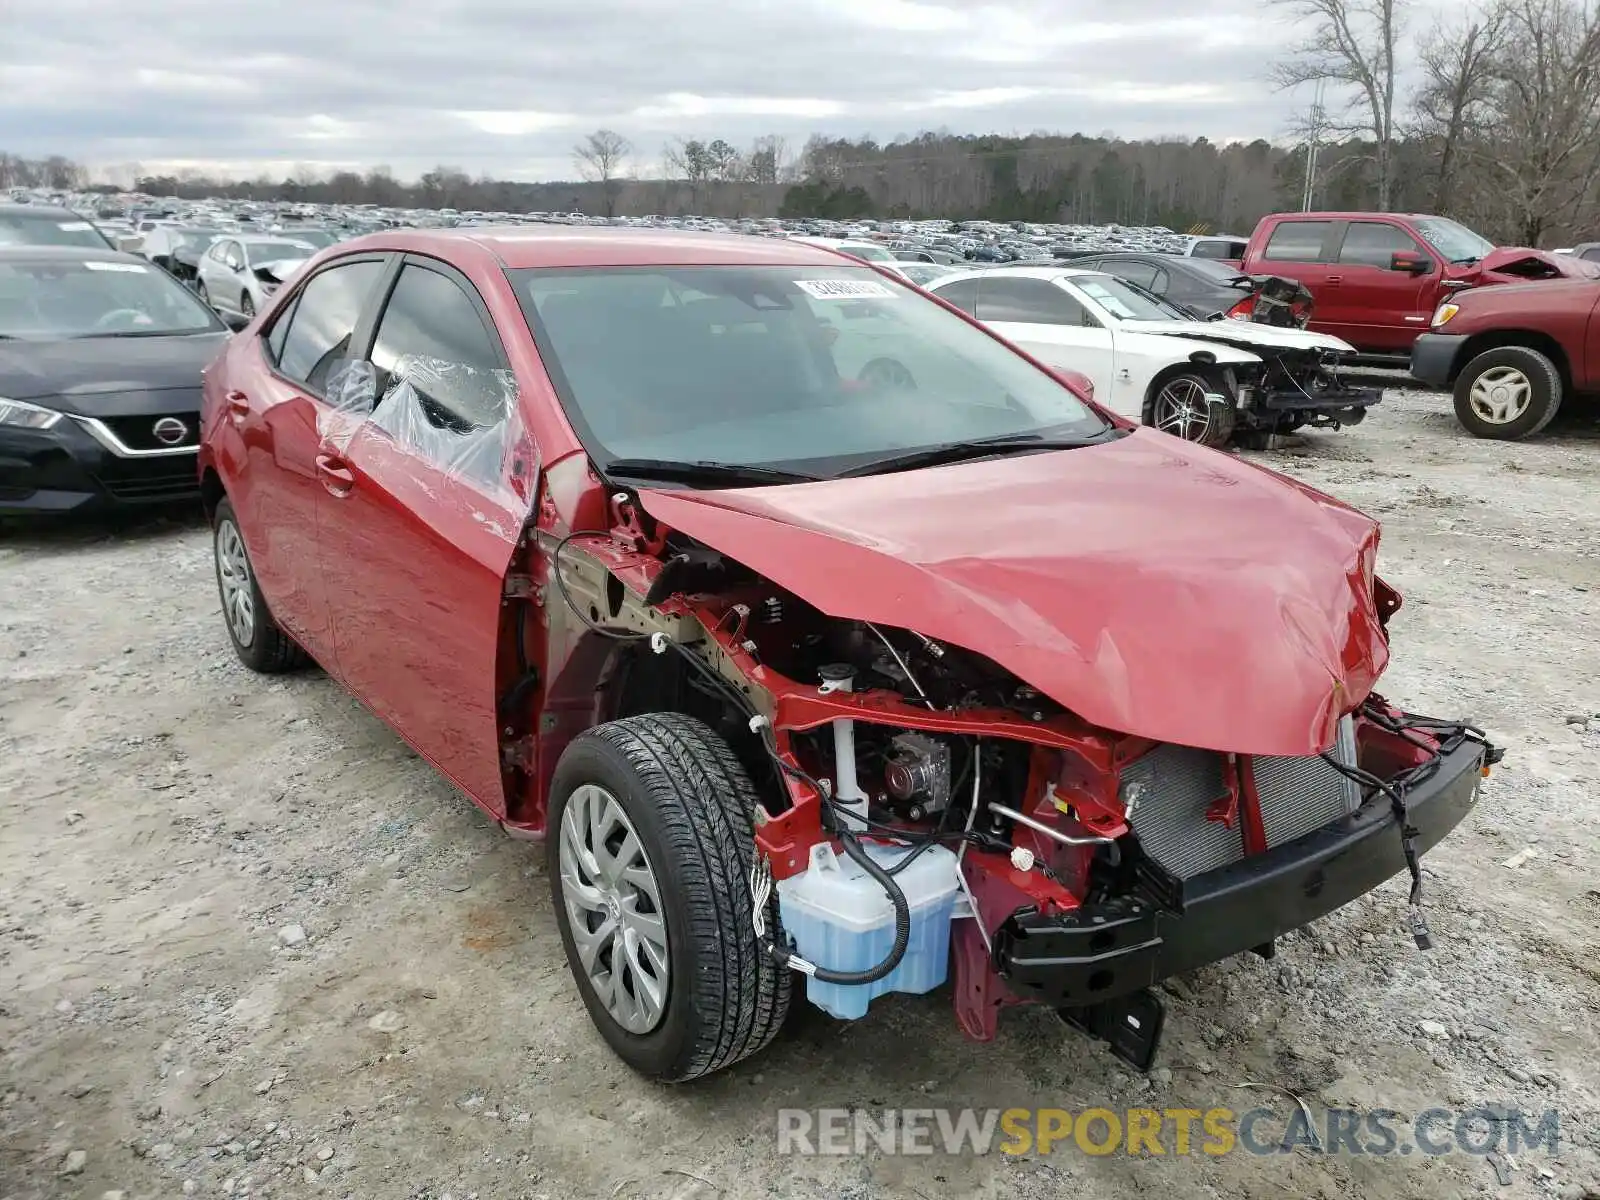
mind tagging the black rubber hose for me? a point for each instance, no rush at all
(902, 919)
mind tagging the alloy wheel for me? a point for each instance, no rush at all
(614, 909)
(1181, 408)
(238, 593)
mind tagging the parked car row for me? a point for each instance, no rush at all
(1371, 281)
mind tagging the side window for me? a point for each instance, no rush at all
(440, 376)
(1028, 301)
(280, 330)
(1144, 274)
(324, 318)
(1296, 241)
(1592, 254)
(1374, 243)
(963, 293)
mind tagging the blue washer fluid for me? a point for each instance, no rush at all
(841, 918)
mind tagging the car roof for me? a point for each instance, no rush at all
(517, 246)
(66, 254)
(1023, 272)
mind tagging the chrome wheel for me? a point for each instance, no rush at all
(1500, 395)
(233, 574)
(1181, 408)
(614, 909)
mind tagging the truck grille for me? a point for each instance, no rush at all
(1174, 786)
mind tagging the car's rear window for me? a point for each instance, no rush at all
(806, 367)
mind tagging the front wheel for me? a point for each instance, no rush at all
(247, 307)
(1181, 405)
(649, 845)
(1508, 393)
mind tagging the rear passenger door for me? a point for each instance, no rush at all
(424, 495)
(1300, 250)
(271, 433)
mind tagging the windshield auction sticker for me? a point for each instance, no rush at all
(845, 289)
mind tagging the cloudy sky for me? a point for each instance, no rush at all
(507, 86)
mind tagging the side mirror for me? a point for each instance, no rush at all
(1077, 381)
(1411, 264)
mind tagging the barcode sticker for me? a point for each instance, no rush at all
(845, 289)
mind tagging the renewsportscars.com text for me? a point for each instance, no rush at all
(1377, 1132)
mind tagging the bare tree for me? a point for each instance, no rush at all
(599, 158)
(1542, 151)
(693, 162)
(1459, 59)
(1352, 45)
(769, 159)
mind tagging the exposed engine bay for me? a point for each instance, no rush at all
(925, 812)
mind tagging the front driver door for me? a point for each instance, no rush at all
(1049, 324)
(422, 505)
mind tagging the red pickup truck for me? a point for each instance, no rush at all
(1512, 354)
(1376, 278)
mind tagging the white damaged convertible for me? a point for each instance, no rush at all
(1210, 382)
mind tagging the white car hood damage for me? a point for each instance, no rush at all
(1244, 335)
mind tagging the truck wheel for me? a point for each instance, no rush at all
(649, 848)
(1177, 405)
(1508, 393)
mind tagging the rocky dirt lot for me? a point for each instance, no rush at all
(251, 945)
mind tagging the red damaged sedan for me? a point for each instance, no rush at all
(834, 646)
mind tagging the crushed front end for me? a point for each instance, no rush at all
(927, 814)
(1302, 387)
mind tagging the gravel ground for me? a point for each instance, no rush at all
(251, 945)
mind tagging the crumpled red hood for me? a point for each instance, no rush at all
(1152, 587)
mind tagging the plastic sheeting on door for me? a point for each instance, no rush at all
(459, 419)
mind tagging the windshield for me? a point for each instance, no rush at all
(814, 369)
(265, 251)
(1453, 240)
(58, 228)
(50, 300)
(1126, 301)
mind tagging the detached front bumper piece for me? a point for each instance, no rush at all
(1433, 358)
(1105, 950)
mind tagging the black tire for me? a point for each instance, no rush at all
(1219, 420)
(691, 805)
(247, 307)
(203, 294)
(266, 648)
(1543, 381)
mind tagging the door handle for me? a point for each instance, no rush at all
(238, 405)
(336, 477)
(1335, 279)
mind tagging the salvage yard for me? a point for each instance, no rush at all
(251, 945)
